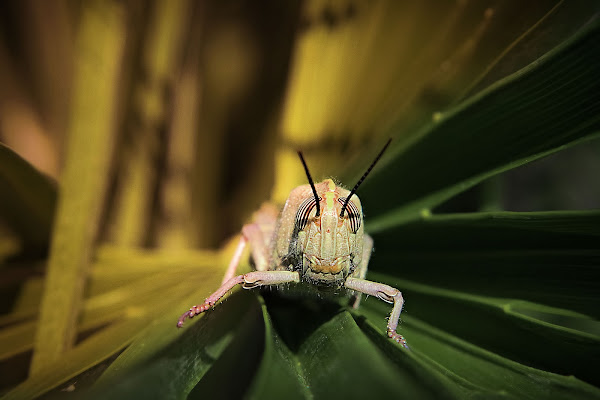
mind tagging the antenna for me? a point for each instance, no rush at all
(363, 177)
(312, 184)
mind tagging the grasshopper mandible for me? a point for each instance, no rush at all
(318, 241)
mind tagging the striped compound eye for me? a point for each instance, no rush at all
(353, 214)
(304, 211)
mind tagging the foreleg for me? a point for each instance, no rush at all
(387, 294)
(248, 281)
(361, 270)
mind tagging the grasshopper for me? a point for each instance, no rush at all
(318, 241)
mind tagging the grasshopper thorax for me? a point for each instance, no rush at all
(323, 248)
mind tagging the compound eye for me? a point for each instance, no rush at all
(353, 214)
(304, 211)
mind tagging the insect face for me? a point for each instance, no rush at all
(323, 248)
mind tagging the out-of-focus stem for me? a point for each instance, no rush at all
(161, 57)
(90, 138)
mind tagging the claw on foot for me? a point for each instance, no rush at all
(194, 310)
(398, 338)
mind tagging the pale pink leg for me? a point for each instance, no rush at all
(235, 260)
(387, 294)
(258, 246)
(248, 281)
(361, 270)
(253, 235)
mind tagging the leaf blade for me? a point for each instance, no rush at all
(547, 106)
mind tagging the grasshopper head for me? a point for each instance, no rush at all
(324, 248)
(320, 232)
